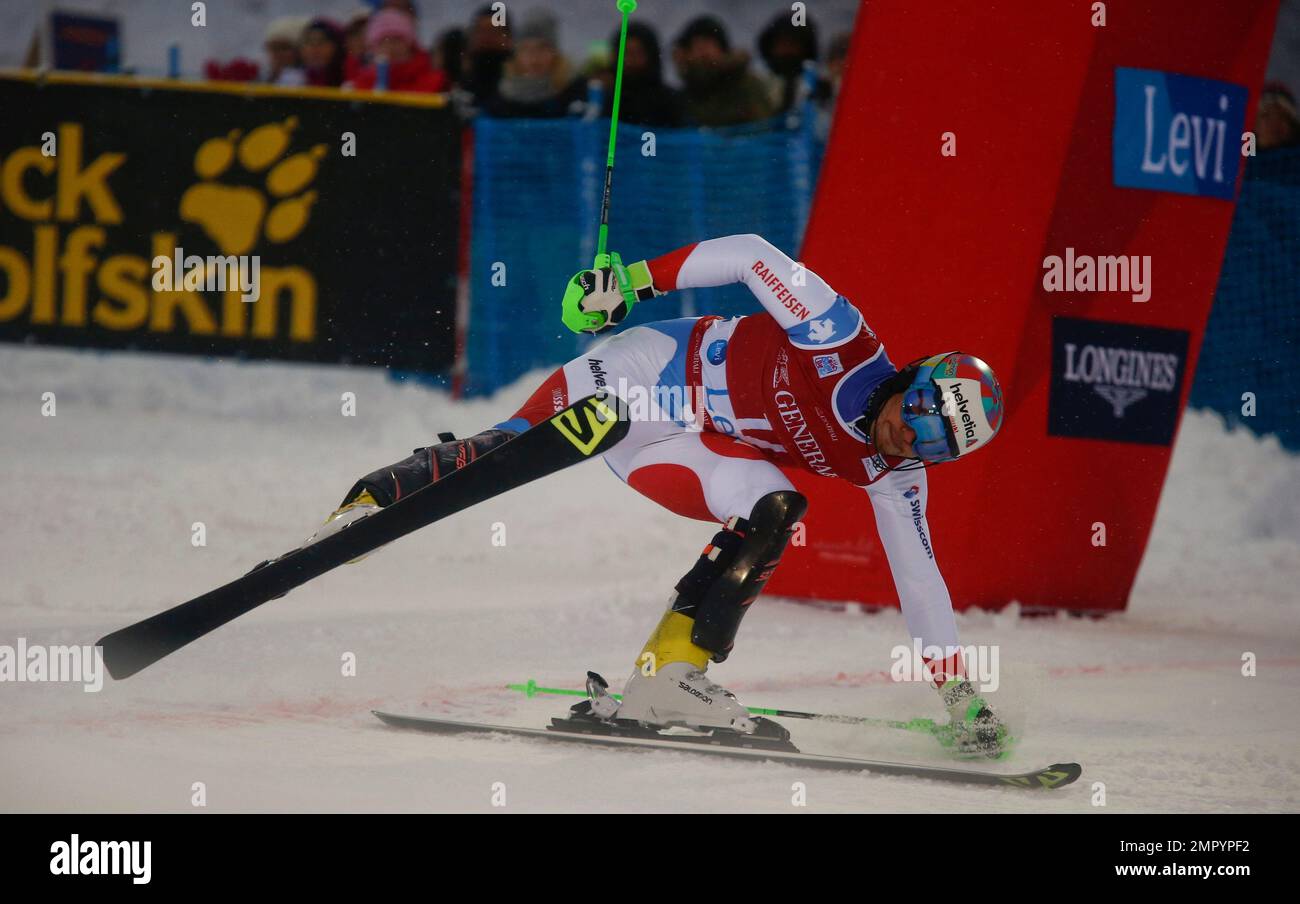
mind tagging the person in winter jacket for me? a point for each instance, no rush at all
(391, 40)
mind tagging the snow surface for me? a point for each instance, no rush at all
(99, 502)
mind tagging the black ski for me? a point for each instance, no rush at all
(738, 747)
(587, 428)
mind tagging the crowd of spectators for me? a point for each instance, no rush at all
(509, 69)
(516, 69)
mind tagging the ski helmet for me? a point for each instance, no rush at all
(954, 403)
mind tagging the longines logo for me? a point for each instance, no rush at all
(1119, 396)
(1115, 381)
(1121, 376)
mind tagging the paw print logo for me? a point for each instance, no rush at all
(236, 216)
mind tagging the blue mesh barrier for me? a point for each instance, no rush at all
(537, 189)
(1252, 338)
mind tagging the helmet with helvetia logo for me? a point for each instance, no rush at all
(951, 400)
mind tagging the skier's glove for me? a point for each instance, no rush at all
(603, 296)
(974, 729)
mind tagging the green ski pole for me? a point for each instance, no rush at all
(574, 317)
(602, 259)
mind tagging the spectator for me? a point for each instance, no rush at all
(322, 53)
(837, 55)
(354, 42)
(488, 46)
(538, 81)
(1277, 124)
(720, 90)
(282, 38)
(237, 70)
(785, 47)
(390, 38)
(598, 67)
(449, 54)
(828, 92)
(646, 99)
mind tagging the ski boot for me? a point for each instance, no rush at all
(359, 507)
(382, 488)
(680, 693)
(677, 697)
(669, 687)
(974, 729)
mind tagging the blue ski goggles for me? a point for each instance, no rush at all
(923, 412)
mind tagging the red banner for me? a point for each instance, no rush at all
(1011, 179)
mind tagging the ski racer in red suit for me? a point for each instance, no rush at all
(715, 407)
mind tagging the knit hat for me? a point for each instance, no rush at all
(703, 27)
(539, 25)
(332, 29)
(286, 28)
(390, 23)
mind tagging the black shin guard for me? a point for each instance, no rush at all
(733, 568)
(387, 485)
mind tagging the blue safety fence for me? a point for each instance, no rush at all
(537, 188)
(1252, 340)
(537, 192)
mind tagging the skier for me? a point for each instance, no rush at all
(715, 406)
